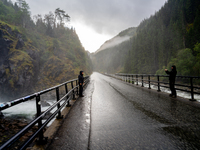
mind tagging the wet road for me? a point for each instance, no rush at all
(116, 115)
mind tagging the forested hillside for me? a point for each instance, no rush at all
(38, 52)
(111, 56)
(171, 36)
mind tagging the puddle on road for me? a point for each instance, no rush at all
(88, 121)
(88, 118)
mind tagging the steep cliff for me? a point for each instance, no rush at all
(18, 62)
(30, 61)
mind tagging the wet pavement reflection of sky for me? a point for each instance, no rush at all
(126, 117)
(114, 115)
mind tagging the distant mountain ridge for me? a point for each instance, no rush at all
(111, 56)
(169, 37)
(118, 39)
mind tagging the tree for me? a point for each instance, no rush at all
(40, 25)
(62, 16)
(49, 21)
(23, 14)
(197, 59)
(190, 13)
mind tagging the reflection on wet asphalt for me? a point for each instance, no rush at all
(114, 115)
(126, 117)
(74, 131)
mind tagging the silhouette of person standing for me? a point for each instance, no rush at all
(81, 82)
(172, 77)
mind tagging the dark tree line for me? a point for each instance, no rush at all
(164, 39)
(18, 14)
(51, 51)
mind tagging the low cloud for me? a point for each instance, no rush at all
(105, 17)
(113, 42)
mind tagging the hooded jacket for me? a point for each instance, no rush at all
(80, 78)
(172, 74)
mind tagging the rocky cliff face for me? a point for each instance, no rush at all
(31, 61)
(18, 63)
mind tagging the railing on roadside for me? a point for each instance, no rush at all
(136, 78)
(70, 94)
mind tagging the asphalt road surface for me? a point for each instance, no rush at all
(117, 115)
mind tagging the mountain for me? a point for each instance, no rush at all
(111, 56)
(117, 40)
(35, 55)
(169, 37)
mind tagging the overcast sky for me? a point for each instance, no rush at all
(96, 21)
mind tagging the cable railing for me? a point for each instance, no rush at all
(60, 104)
(146, 79)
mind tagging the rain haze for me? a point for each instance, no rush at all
(100, 20)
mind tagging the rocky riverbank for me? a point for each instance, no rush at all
(9, 127)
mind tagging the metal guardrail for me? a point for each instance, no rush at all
(140, 77)
(70, 94)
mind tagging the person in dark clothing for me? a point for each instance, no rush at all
(81, 82)
(172, 77)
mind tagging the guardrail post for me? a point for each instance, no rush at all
(38, 107)
(58, 105)
(132, 80)
(87, 81)
(73, 93)
(129, 77)
(66, 89)
(142, 82)
(77, 87)
(192, 89)
(137, 79)
(158, 83)
(149, 81)
(1, 115)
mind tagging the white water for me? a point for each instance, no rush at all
(166, 90)
(28, 109)
(179, 93)
(25, 110)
